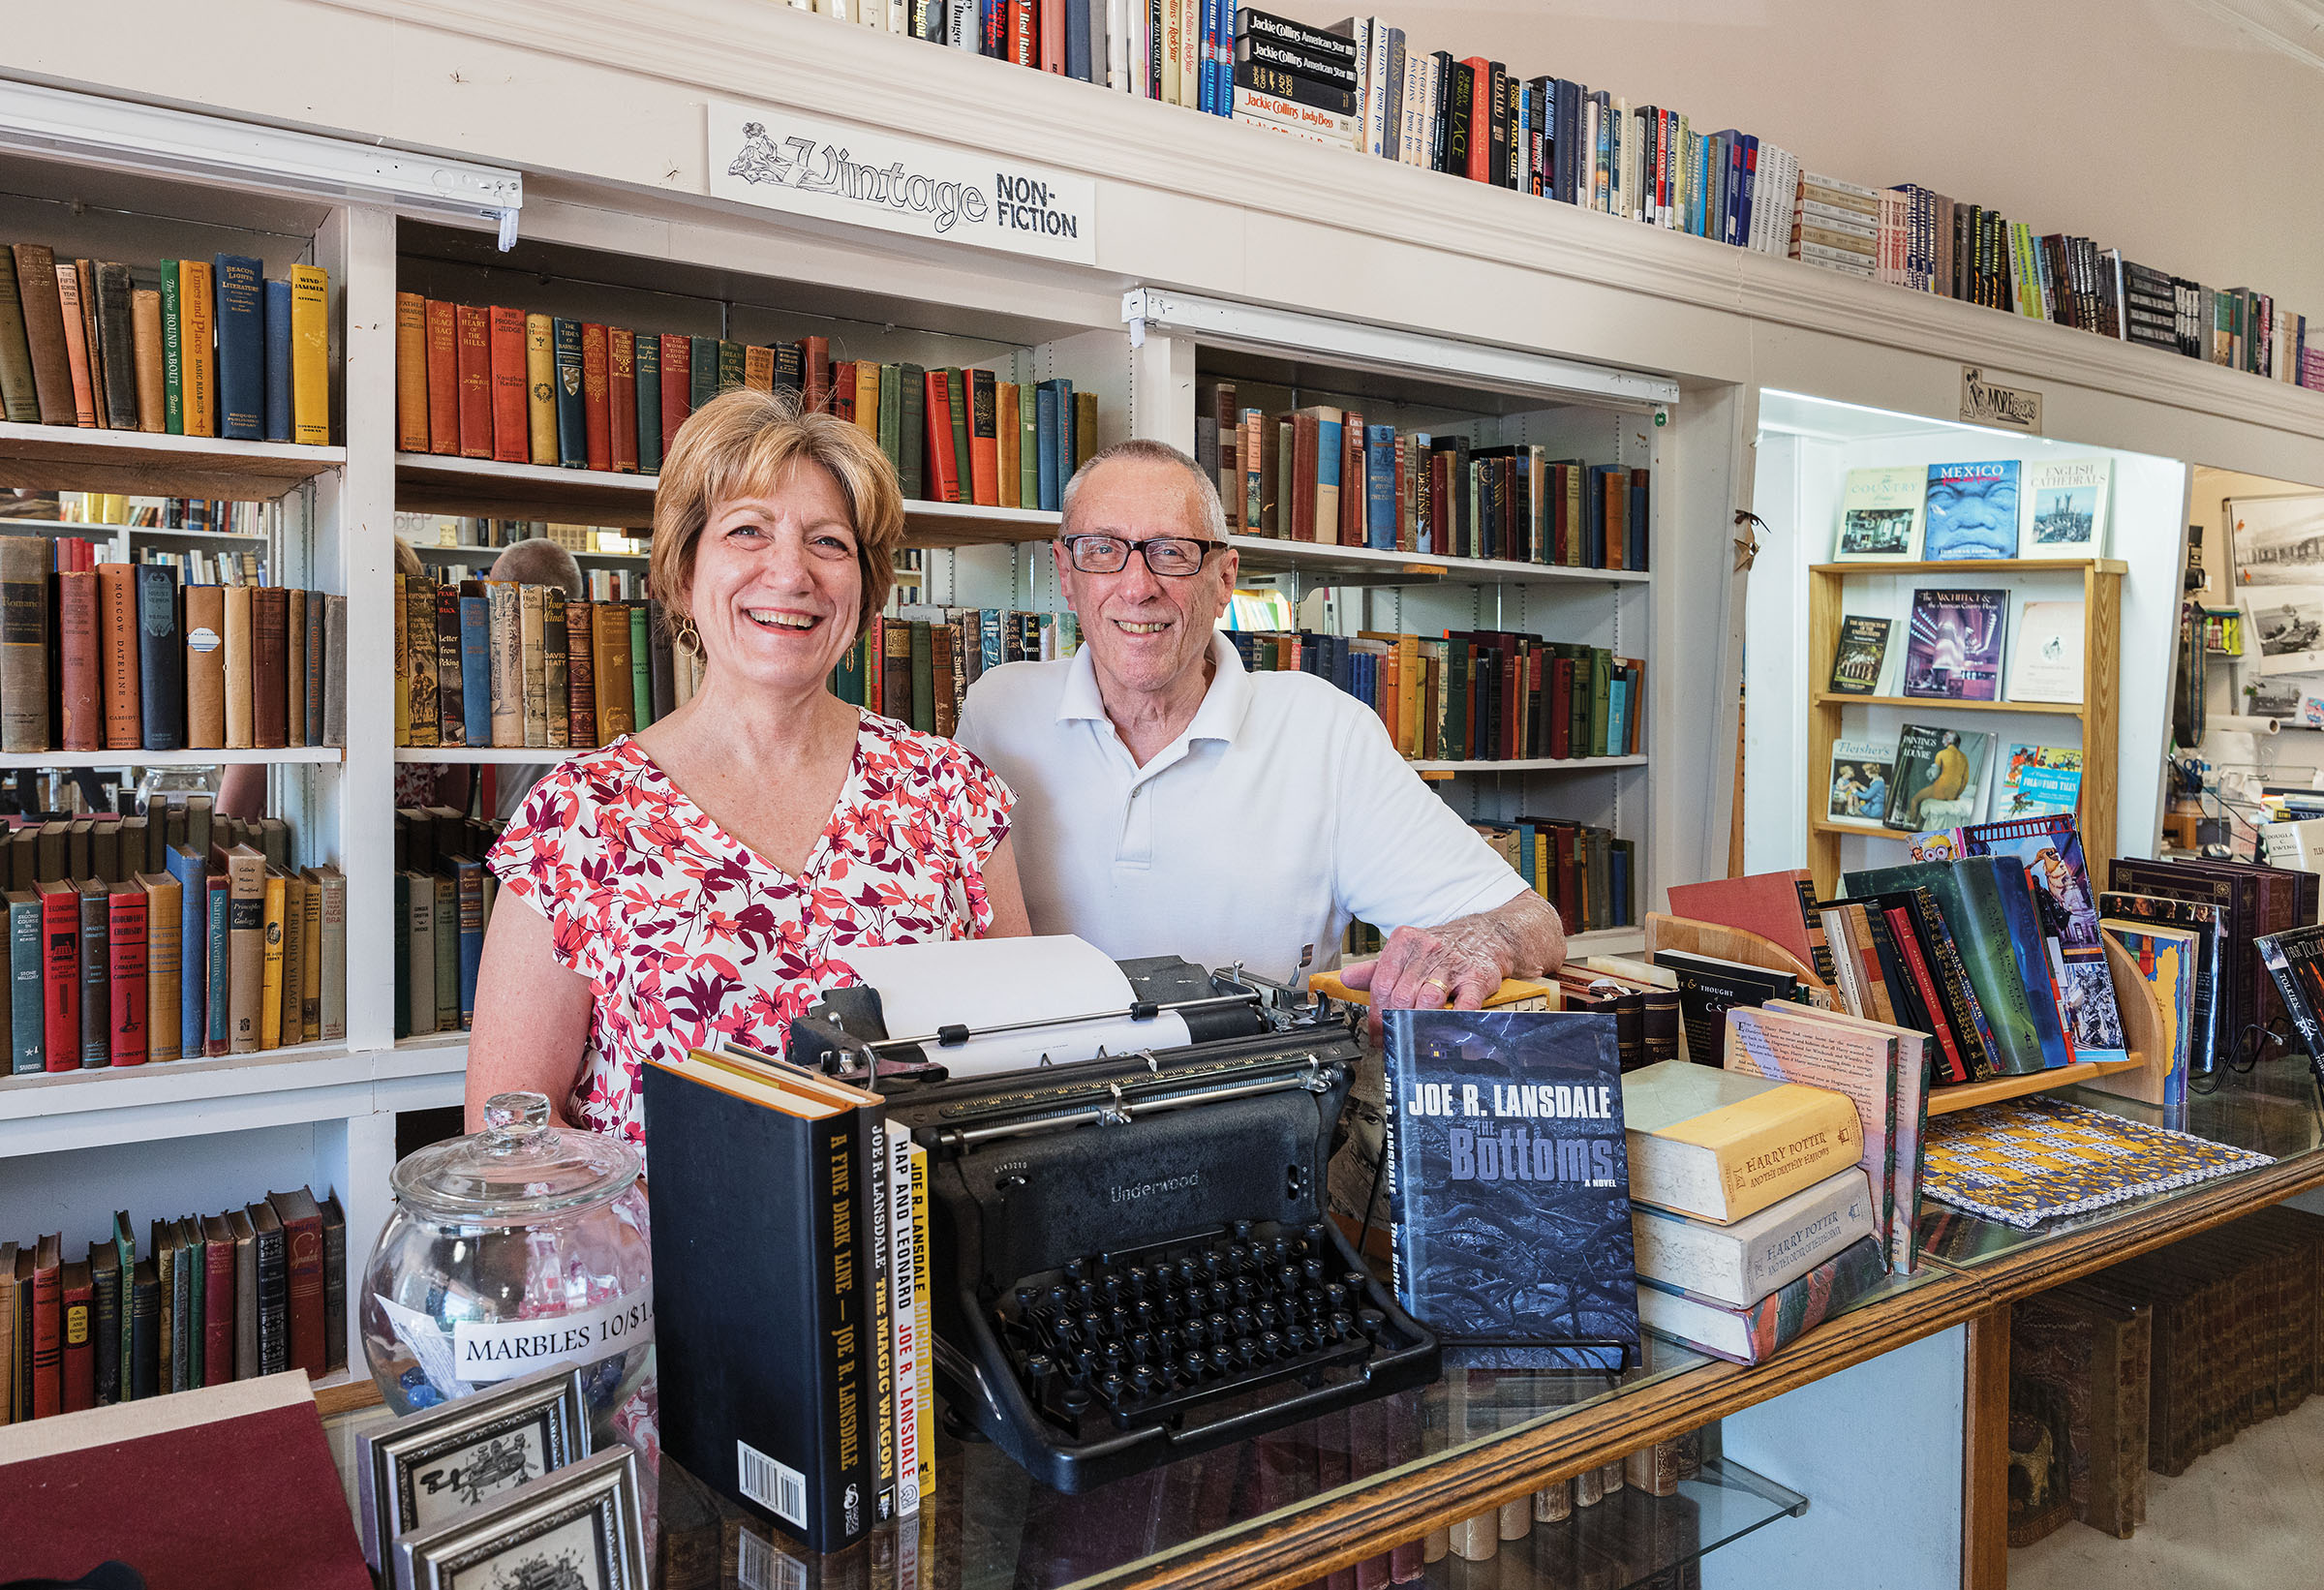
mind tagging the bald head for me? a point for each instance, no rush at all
(539, 561)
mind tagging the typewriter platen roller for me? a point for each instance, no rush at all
(1131, 1257)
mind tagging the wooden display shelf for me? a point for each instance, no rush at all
(1265, 554)
(1941, 704)
(1967, 1095)
(146, 464)
(1978, 566)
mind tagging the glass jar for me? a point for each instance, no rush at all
(520, 1248)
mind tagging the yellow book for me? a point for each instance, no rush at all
(1514, 992)
(923, 1285)
(1721, 1145)
(270, 981)
(540, 389)
(1540, 862)
(310, 961)
(758, 368)
(162, 959)
(866, 398)
(403, 671)
(295, 965)
(310, 354)
(1012, 450)
(1410, 678)
(198, 366)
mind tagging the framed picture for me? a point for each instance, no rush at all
(580, 1528)
(429, 1467)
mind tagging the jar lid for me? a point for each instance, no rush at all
(518, 1169)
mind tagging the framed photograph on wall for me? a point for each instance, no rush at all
(433, 1465)
(579, 1528)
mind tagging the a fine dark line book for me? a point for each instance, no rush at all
(273, 1289)
(27, 1039)
(96, 974)
(303, 1267)
(764, 1308)
(2295, 960)
(572, 425)
(1508, 1183)
(161, 659)
(144, 1321)
(648, 398)
(241, 331)
(1970, 895)
(278, 361)
(105, 1321)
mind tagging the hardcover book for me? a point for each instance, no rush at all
(1708, 987)
(1740, 1264)
(2295, 961)
(1510, 1185)
(1747, 1335)
(1719, 1145)
(1879, 516)
(2046, 662)
(2037, 781)
(1971, 512)
(1939, 777)
(1984, 900)
(2049, 850)
(1863, 774)
(2068, 501)
(1856, 660)
(1954, 651)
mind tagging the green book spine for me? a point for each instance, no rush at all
(1028, 444)
(1601, 673)
(891, 413)
(1979, 932)
(848, 678)
(641, 663)
(956, 393)
(173, 392)
(911, 464)
(702, 370)
(402, 956)
(193, 1275)
(648, 370)
(20, 390)
(125, 1247)
(730, 365)
(924, 679)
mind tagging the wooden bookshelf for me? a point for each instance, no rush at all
(1371, 565)
(146, 464)
(277, 756)
(2097, 712)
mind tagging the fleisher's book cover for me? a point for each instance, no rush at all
(1509, 1184)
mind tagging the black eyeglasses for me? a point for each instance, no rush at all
(1172, 556)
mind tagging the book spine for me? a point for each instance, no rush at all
(278, 360)
(126, 937)
(540, 391)
(595, 396)
(411, 369)
(96, 977)
(241, 331)
(273, 1292)
(310, 355)
(161, 659)
(26, 1039)
(572, 425)
(510, 358)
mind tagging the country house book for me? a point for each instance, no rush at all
(1749, 1335)
(1880, 515)
(1740, 1264)
(1953, 650)
(1509, 1181)
(1719, 1145)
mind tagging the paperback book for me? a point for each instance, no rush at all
(2046, 662)
(1863, 648)
(1971, 512)
(1879, 516)
(2068, 504)
(1862, 773)
(2049, 850)
(2038, 781)
(1954, 651)
(1509, 1181)
(1939, 777)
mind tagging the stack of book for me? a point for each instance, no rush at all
(2216, 913)
(812, 1358)
(1752, 1214)
(443, 901)
(172, 935)
(124, 656)
(190, 514)
(1320, 473)
(217, 1298)
(1294, 79)
(916, 665)
(213, 349)
(431, 530)
(1583, 871)
(1474, 695)
(502, 384)
(491, 662)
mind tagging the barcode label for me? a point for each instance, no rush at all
(777, 1487)
(758, 1566)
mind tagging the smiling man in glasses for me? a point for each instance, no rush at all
(1172, 804)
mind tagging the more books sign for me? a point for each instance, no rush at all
(783, 160)
(1987, 402)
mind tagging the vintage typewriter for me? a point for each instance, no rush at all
(1131, 1257)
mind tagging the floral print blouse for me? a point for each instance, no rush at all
(690, 939)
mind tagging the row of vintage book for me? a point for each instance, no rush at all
(444, 896)
(126, 657)
(1582, 869)
(1322, 474)
(219, 1298)
(169, 934)
(492, 663)
(916, 664)
(213, 348)
(502, 384)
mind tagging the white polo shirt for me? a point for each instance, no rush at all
(1280, 814)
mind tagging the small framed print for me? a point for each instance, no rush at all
(580, 1528)
(428, 1467)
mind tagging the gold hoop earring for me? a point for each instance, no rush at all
(685, 637)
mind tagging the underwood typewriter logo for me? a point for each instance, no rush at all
(1130, 1193)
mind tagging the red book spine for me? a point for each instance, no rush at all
(473, 365)
(511, 425)
(443, 379)
(677, 387)
(1304, 436)
(944, 480)
(1351, 528)
(218, 1314)
(1053, 36)
(1480, 118)
(302, 1262)
(1023, 43)
(1561, 707)
(593, 409)
(1916, 965)
(79, 697)
(79, 1342)
(621, 395)
(60, 977)
(1513, 695)
(48, 1342)
(125, 928)
(815, 376)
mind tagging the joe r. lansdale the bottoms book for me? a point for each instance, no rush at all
(1510, 1186)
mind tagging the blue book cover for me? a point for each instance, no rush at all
(469, 875)
(1634, 551)
(572, 425)
(1592, 516)
(2049, 850)
(26, 1018)
(239, 290)
(219, 1016)
(192, 949)
(1052, 405)
(1510, 1186)
(278, 362)
(1076, 41)
(476, 663)
(1327, 447)
(1380, 486)
(1617, 715)
(1527, 835)
(1971, 511)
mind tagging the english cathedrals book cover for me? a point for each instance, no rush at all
(1510, 1186)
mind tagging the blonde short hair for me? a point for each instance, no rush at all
(739, 444)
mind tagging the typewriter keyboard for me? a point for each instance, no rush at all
(1148, 1333)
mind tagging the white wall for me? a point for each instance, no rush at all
(2151, 125)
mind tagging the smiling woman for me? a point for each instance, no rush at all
(703, 882)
